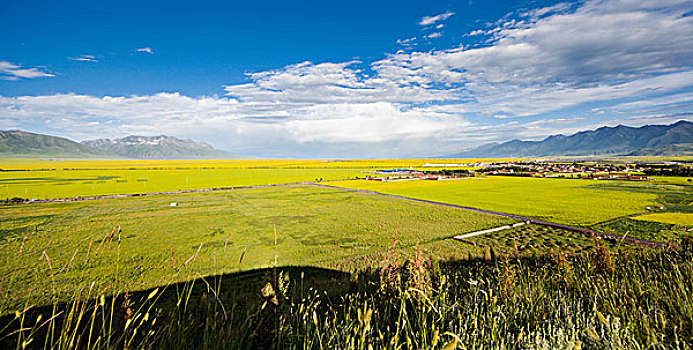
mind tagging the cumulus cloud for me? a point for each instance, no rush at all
(434, 35)
(145, 50)
(536, 73)
(225, 122)
(308, 83)
(11, 71)
(546, 62)
(430, 20)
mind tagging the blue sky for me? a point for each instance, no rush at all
(343, 79)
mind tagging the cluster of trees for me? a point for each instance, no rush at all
(449, 172)
(670, 171)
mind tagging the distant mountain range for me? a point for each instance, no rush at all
(156, 147)
(649, 140)
(17, 143)
(674, 139)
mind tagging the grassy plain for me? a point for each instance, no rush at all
(648, 230)
(529, 240)
(71, 183)
(354, 164)
(315, 226)
(48, 179)
(573, 202)
(524, 297)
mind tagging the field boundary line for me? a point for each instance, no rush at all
(513, 216)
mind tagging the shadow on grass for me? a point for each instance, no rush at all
(229, 297)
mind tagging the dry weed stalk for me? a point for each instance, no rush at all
(48, 259)
(86, 260)
(226, 241)
(26, 235)
(45, 249)
(601, 258)
(103, 240)
(240, 260)
(389, 270)
(127, 314)
(192, 258)
(507, 274)
(173, 259)
(69, 263)
(417, 269)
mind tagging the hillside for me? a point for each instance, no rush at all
(156, 147)
(619, 140)
(17, 143)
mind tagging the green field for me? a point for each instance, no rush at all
(71, 183)
(685, 219)
(674, 180)
(315, 226)
(49, 179)
(574, 202)
(59, 251)
(535, 240)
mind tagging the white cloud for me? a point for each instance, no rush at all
(434, 35)
(475, 32)
(224, 121)
(548, 62)
(656, 104)
(369, 123)
(429, 20)
(556, 121)
(145, 50)
(84, 58)
(559, 69)
(307, 83)
(558, 8)
(11, 71)
(406, 42)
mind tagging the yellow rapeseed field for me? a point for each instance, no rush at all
(48, 179)
(560, 200)
(685, 219)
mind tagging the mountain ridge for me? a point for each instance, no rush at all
(161, 146)
(157, 147)
(618, 140)
(25, 144)
(20, 143)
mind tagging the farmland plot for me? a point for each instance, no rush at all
(208, 234)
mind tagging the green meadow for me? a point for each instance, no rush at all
(200, 263)
(315, 226)
(532, 240)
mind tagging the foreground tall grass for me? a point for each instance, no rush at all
(632, 299)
